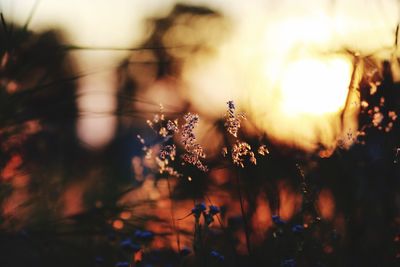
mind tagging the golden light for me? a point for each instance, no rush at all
(315, 86)
(285, 75)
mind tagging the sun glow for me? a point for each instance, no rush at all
(315, 86)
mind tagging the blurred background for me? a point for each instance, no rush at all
(318, 83)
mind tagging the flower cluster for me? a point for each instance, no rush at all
(194, 151)
(143, 235)
(233, 120)
(201, 209)
(168, 151)
(240, 150)
(172, 126)
(263, 150)
(166, 129)
(162, 127)
(164, 167)
(157, 119)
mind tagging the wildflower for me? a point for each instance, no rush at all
(128, 245)
(233, 120)
(241, 149)
(277, 220)
(163, 132)
(163, 167)
(298, 228)
(217, 255)
(263, 150)
(145, 235)
(377, 119)
(163, 129)
(168, 151)
(188, 137)
(173, 126)
(194, 151)
(198, 209)
(392, 115)
(213, 210)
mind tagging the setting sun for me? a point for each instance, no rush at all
(315, 86)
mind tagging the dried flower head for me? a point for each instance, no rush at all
(168, 151)
(233, 120)
(263, 150)
(164, 167)
(161, 126)
(194, 151)
(240, 150)
(173, 126)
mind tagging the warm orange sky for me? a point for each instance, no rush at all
(265, 33)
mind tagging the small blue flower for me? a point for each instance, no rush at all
(198, 209)
(143, 234)
(217, 255)
(214, 210)
(147, 235)
(122, 264)
(277, 220)
(298, 228)
(201, 206)
(288, 263)
(128, 245)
